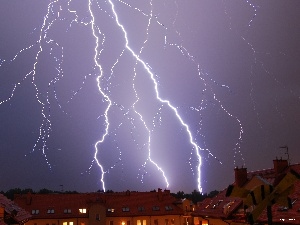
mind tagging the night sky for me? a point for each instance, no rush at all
(140, 95)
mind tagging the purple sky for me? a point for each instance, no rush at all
(228, 69)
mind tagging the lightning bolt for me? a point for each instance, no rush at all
(163, 101)
(55, 13)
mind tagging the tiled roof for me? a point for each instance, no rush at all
(117, 204)
(13, 211)
(211, 208)
(219, 206)
(282, 214)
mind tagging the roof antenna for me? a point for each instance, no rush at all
(287, 152)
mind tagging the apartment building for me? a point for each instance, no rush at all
(121, 208)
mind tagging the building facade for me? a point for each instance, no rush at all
(122, 208)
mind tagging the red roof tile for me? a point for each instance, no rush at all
(219, 206)
(18, 214)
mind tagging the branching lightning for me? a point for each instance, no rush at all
(104, 77)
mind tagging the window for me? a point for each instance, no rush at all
(82, 210)
(125, 209)
(111, 222)
(156, 222)
(128, 222)
(155, 208)
(68, 223)
(172, 221)
(168, 208)
(98, 217)
(50, 211)
(141, 222)
(166, 222)
(67, 211)
(110, 210)
(141, 208)
(35, 211)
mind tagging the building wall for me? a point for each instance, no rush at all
(97, 215)
(69, 221)
(146, 220)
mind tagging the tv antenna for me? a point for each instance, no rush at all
(287, 152)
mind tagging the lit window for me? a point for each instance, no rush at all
(82, 210)
(155, 208)
(141, 222)
(35, 211)
(166, 222)
(50, 211)
(172, 221)
(110, 210)
(125, 209)
(68, 223)
(67, 211)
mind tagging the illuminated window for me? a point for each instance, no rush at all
(82, 210)
(125, 209)
(68, 223)
(35, 211)
(155, 208)
(172, 221)
(110, 210)
(67, 211)
(141, 222)
(50, 211)
(82, 223)
(166, 222)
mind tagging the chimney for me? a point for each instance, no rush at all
(160, 194)
(280, 165)
(240, 176)
(28, 198)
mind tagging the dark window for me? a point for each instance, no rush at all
(155, 222)
(111, 222)
(155, 208)
(169, 208)
(50, 211)
(35, 211)
(141, 208)
(125, 209)
(67, 211)
(98, 217)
